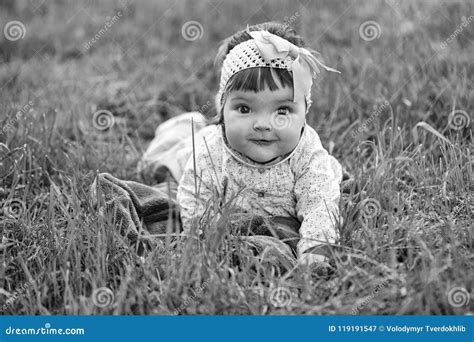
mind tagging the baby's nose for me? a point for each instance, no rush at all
(262, 123)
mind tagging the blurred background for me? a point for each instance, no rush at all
(145, 61)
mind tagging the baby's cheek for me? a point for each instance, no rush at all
(237, 141)
(289, 143)
(233, 136)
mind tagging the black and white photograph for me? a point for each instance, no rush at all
(236, 158)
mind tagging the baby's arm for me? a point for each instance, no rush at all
(192, 206)
(317, 194)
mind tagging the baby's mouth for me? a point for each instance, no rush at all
(262, 142)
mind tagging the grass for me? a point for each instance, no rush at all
(406, 236)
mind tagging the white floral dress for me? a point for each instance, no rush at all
(305, 184)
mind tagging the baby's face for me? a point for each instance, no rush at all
(263, 125)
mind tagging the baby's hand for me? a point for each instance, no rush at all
(307, 259)
(315, 263)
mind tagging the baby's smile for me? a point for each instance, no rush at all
(263, 142)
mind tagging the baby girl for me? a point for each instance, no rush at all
(260, 147)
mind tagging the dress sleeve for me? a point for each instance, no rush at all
(317, 191)
(206, 182)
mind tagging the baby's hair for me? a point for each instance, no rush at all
(254, 79)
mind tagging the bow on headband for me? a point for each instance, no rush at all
(305, 64)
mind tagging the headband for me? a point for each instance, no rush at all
(269, 50)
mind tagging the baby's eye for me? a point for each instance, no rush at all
(284, 110)
(243, 109)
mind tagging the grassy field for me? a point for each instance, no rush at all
(398, 119)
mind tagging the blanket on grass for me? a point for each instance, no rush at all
(139, 211)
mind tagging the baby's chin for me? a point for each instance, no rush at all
(263, 160)
(263, 157)
(263, 153)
